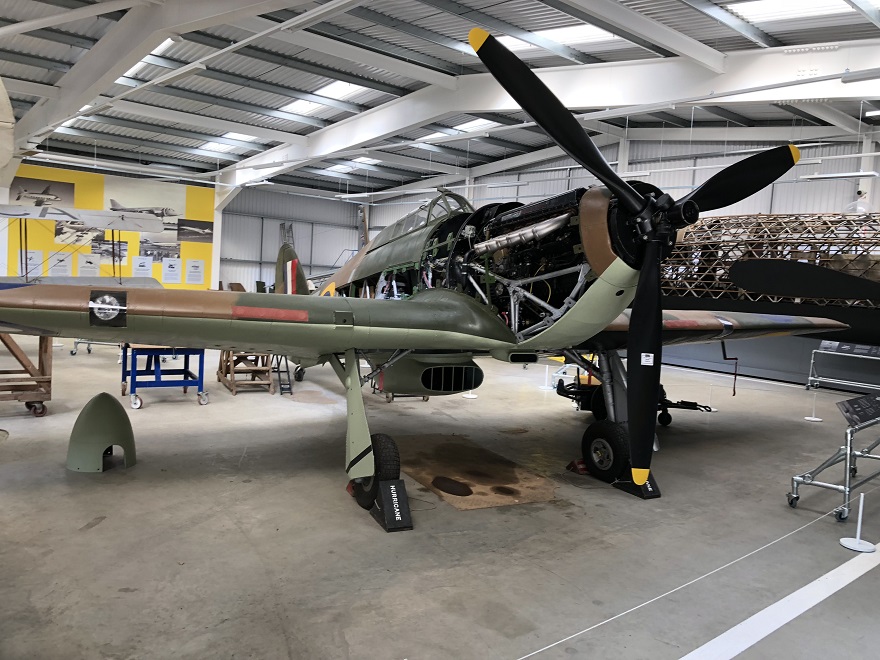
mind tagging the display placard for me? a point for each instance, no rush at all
(195, 271)
(848, 348)
(61, 264)
(171, 270)
(89, 265)
(861, 409)
(141, 266)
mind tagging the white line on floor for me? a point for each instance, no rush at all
(687, 584)
(751, 631)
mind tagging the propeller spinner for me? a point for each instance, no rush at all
(655, 217)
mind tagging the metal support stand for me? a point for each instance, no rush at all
(815, 379)
(846, 455)
(857, 543)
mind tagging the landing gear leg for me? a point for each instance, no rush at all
(605, 443)
(368, 459)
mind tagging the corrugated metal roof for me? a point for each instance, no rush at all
(531, 15)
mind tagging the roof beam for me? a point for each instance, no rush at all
(167, 130)
(622, 32)
(190, 119)
(60, 18)
(729, 115)
(792, 109)
(233, 79)
(413, 163)
(753, 76)
(79, 149)
(35, 61)
(29, 88)
(151, 144)
(57, 36)
(137, 33)
(480, 18)
(413, 30)
(669, 118)
(224, 102)
(866, 9)
(297, 64)
(834, 117)
(346, 51)
(379, 170)
(735, 23)
(729, 134)
(614, 14)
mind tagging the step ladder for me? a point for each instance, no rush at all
(282, 368)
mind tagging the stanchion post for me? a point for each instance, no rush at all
(857, 543)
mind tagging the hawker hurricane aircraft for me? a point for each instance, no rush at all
(449, 282)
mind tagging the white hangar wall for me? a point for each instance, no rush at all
(324, 233)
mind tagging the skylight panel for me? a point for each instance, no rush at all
(476, 125)
(161, 48)
(216, 146)
(367, 161)
(240, 136)
(767, 11)
(432, 136)
(345, 169)
(336, 90)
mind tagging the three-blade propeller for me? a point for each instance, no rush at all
(657, 218)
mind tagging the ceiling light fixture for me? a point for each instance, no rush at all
(839, 175)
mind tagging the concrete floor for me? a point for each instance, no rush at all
(233, 536)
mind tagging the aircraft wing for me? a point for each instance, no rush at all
(305, 327)
(701, 326)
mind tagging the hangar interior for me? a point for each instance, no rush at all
(209, 133)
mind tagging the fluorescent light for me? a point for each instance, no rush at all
(839, 175)
(239, 136)
(338, 90)
(432, 136)
(872, 113)
(767, 11)
(73, 119)
(264, 182)
(809, 161)
(507, 184)
(367, 161)
(632, 175)
(860, 75)
(345, 169)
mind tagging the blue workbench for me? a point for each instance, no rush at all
(154, 374)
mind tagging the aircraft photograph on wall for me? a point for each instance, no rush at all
(510, 281)
(25, 191)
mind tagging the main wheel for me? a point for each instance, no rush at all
(605, 447)
(386, 461)
(299, 374)
(597, 404)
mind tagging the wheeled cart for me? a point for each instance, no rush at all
(155, 375)
(846, 455)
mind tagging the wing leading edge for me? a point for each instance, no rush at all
(699, 326)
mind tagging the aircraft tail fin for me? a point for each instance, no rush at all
(114, 205)
(289, 274)
(47, 190)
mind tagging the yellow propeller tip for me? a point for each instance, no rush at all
(795, 153)
(477, 37)
(640, 475)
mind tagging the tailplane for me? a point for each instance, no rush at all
(289, 274)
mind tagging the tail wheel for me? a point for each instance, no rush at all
(606, 450)
(386, 460)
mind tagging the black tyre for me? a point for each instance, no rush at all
(597, 404)
(386, 460)
(606, 450)
(298, 374)
(664, 418)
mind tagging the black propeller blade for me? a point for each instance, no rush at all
(643, 358)
(542, 106)
(656, 220)
(796, 279)
(744, 178)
